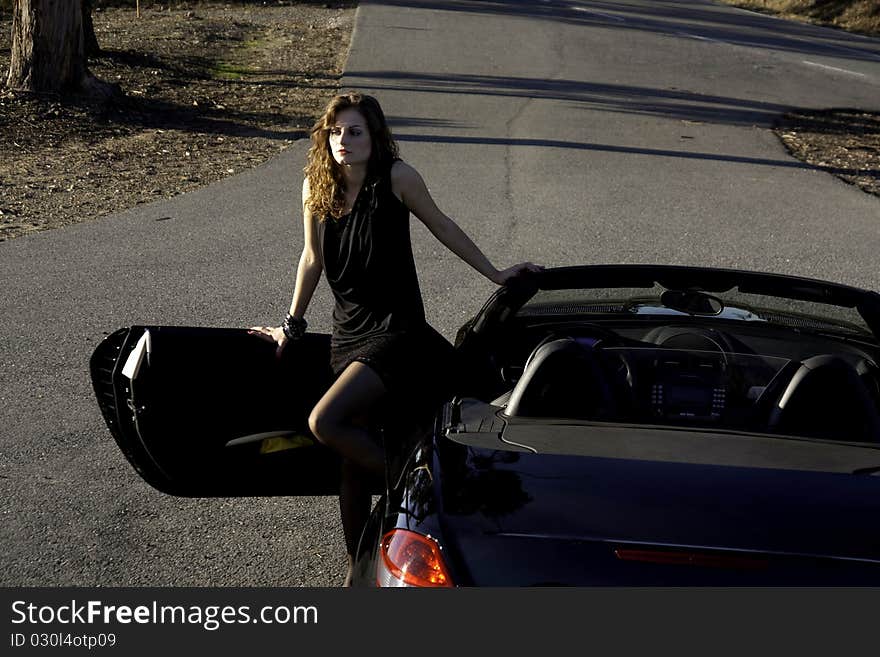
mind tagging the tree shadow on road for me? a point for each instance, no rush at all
(625, 150)
(669, 103)
(702, 21)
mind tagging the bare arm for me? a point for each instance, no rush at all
(308, 273)
(415, 195)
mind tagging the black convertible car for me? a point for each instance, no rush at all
(605, 425)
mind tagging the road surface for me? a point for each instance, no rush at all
(560, 132)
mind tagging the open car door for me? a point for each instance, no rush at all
(211, 412)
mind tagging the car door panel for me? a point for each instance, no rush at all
(212, 412)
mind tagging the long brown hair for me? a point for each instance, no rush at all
(326, 183)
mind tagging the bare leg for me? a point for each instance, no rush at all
(354, 394)
(338, 421)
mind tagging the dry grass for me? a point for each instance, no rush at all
(854, 15)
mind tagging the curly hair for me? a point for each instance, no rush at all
(326, 182)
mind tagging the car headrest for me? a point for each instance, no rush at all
(562, 378)
(826, 398)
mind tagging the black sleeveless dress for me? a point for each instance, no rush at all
(378, 315)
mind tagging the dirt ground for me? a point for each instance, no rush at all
(843, 142)
(212, 88)
(209, 89)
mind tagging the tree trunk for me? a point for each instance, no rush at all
(89, 39)
(48, 50)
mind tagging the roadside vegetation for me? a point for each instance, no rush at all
(861, 16)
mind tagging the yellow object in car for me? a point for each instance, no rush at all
(281, 443)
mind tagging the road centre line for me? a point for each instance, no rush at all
(597, 13)
(833, 68)
(698, 37)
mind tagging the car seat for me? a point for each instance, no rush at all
(826, 398)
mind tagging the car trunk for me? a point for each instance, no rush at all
(601, 505)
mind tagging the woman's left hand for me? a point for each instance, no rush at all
(506, 274)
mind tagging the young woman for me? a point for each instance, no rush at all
(357, 197)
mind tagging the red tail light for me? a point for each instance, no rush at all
(411, 559)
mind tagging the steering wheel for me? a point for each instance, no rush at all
(691, 338)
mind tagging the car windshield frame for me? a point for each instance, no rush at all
(510, 298)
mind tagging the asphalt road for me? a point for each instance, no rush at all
(560, 132)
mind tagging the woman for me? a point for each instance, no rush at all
(357, 197)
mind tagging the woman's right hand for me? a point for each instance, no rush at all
(272, 334)
(504, 275)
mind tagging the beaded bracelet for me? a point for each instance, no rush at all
(293, 328)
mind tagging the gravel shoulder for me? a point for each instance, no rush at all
(843, 142)
(212, 88)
